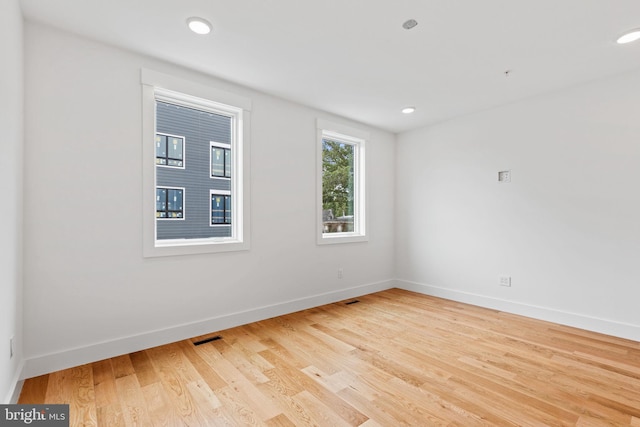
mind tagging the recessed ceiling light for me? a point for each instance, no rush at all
(199, 25)
(408, 110)
(629, 37)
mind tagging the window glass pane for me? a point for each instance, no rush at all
(175, 148)
(174, 151)
(217, 161)
(174, 203)
(161, 202)
(161, 149)
(338, 192)
(217, 209)
(202, 135)
(227, 163)
(227, 212)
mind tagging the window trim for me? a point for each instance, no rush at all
(184, 202)
(184, 160)
(156, 86)
(357, 138)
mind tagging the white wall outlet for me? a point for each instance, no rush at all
(504, 176)
(11, 340)
(340, 273)
(505, 280)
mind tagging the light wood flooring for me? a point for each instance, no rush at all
(394, 358)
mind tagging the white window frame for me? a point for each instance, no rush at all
(358, 139)
(184, 157)
(218, 145)
(184, 203)
(220, 193)
(163, 87)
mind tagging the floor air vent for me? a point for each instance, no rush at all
(352, 302)
(206, 340)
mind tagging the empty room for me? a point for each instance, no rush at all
(320, 213)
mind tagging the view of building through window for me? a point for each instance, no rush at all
(193, 172)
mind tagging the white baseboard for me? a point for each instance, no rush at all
(581, 321)
(16, 386)
(43, 364)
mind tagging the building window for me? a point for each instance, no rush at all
(220, 209)
(169, 150)
(341, 184)
(170, 203)
(220, 160)
(180, 121)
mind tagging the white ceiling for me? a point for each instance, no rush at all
(353, 58)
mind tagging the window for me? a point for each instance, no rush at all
(341, 184)
(169, 150)
(183, 125)
(220, 160)
(220, 209)
(169, 203)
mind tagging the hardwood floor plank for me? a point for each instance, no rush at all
(104, 383)
(203, 367)
(346, 411)
(241, 362)
(237, 409)
(368, 407)
(243, 390)
(209, 404)
(291, 408)
(394, 358)
(122, 366)
(75, 387)
(159, 407)
(34, 390)
(324, 379)
(134, 406)
(242, 335)
(427, 406)
(623, 408)
(282, 382)
(110, 415)
(321, 414)
(82, 408)
(179, 398)
(280, 421)
(143, 368)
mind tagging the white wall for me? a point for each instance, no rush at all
(566, 229)
(88, 290)
(11, 168)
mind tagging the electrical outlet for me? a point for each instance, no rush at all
(340, 273)
(11, 347)
(505, 280)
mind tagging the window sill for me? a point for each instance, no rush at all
(337, 238)
(176, 247)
